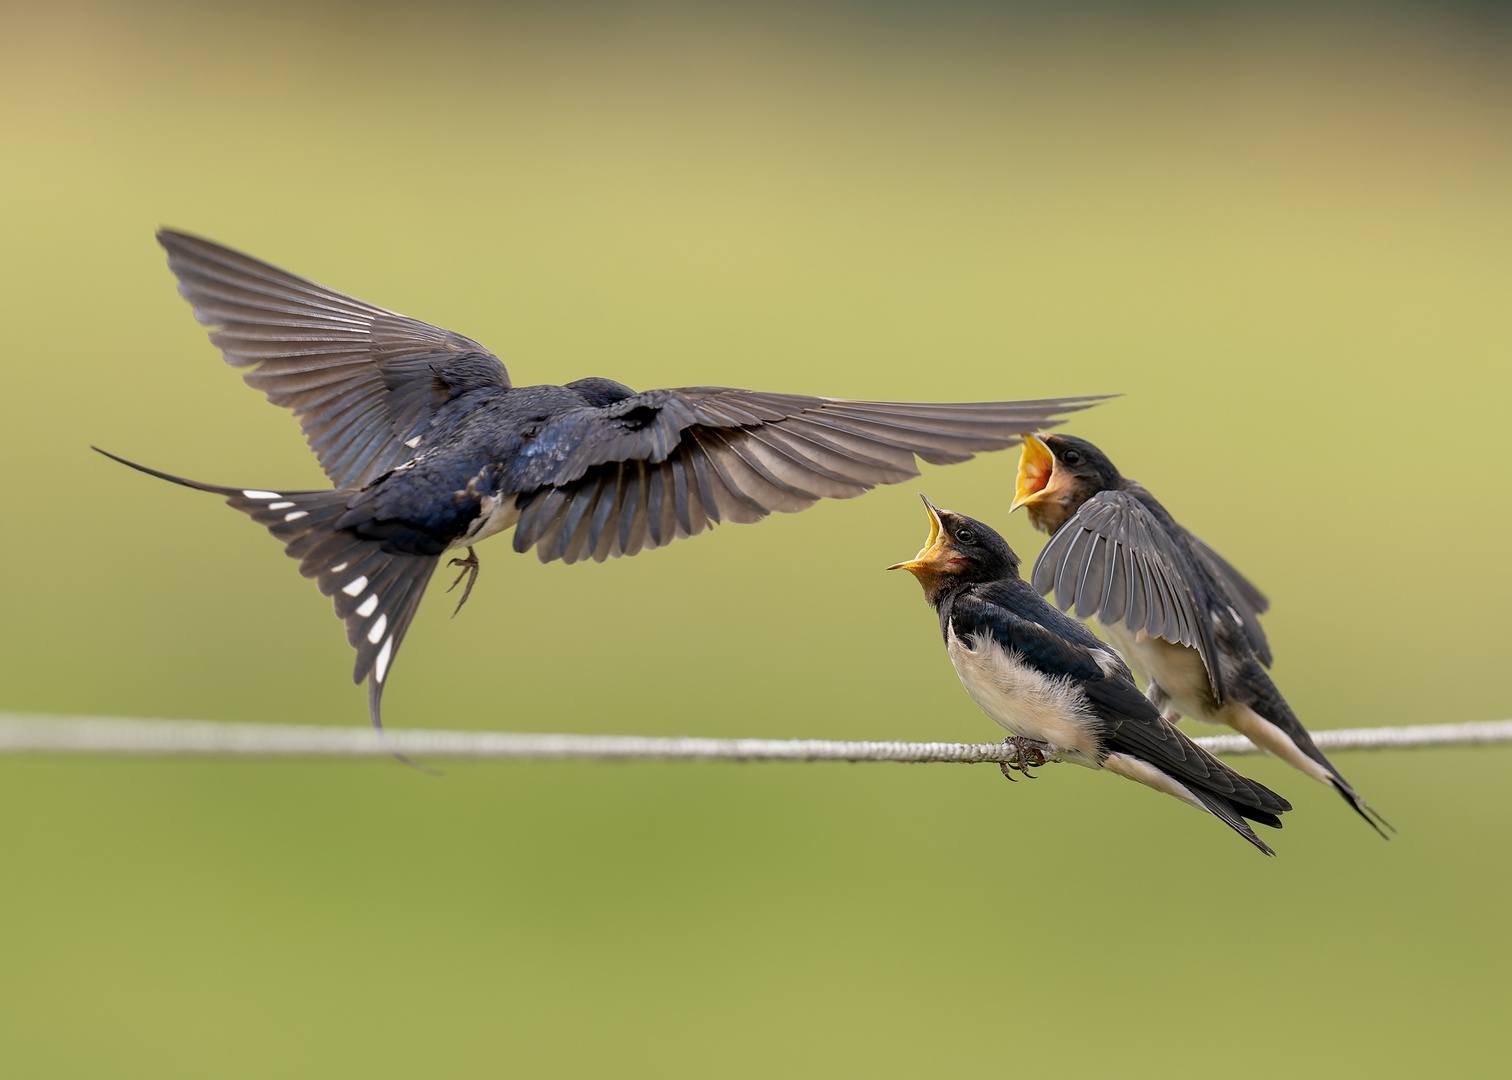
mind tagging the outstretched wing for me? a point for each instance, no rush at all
(670, 463)
(363, 381)
(1115, 560)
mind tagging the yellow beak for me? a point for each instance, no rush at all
(926, 554)
(1036, 466)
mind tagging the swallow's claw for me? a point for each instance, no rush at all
(1027, 753)
(469, 567)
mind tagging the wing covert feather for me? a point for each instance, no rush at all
(362, 380)
(714, 454)
(1248, 602)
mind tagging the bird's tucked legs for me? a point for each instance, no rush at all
(1162, 701)
(1028, 752)
(469, 567)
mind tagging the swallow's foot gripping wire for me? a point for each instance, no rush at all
(1028, 752)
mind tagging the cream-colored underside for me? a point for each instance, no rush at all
(498, 513)
(1143, 772)
(1030, 703)
(1025, 701)
(1181, 674)
(1177, 668)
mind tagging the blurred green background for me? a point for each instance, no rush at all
(1284, 231)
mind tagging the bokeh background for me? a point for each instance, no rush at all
(1283, 231)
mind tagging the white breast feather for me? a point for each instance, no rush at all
(1142, 772)
(497, 513)
(1024, 700)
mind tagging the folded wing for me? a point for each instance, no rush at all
(1128, 724)
(1136, 727)
(1248, 602)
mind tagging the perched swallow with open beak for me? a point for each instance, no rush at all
(1185, 618)
(431, 448)
(1056, 687)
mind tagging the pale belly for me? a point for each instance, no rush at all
(1024, 701)
(498, 514)
(1181, 674)
(1177, 668)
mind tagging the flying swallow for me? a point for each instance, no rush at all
(1059, 690)
(431, 448)
(1184, 617)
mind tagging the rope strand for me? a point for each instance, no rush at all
(43, 733)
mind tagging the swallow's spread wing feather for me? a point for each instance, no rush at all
(666, 464)
(363, 381)
(1116, 560)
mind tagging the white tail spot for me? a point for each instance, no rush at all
(261, 494)
(412, 443)
(380, 665)
(338, 568)
(368, 606)
(379, 626)
(355, 586)
(283, 504)
(295, 515)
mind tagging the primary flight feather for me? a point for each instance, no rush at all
(431, 448)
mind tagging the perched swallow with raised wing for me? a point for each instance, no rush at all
(1056, 687)
(1185, 618)
(431, 448)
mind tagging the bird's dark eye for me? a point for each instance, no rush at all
(965, 536)
(1071, 457)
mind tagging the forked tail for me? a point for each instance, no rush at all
(1232, 813)
(1357, 804)
(375, 592)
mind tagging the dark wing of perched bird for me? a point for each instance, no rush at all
(666, 464)
(363, 381)
(1281, 733)
(1062, 648)
(1248, 602)
(1115, 559)
(1229, 795)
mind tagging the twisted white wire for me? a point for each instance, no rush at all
(43, 733)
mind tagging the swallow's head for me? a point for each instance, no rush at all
(959, 551)
(1056, 474)
(601, 392)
